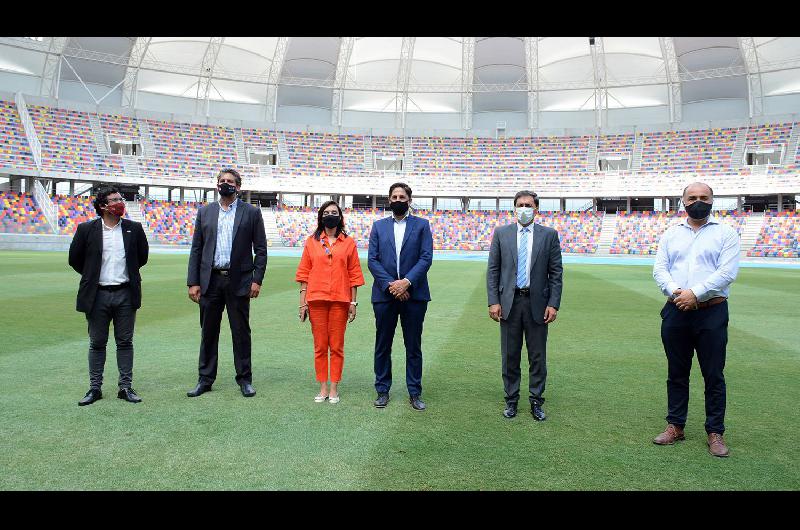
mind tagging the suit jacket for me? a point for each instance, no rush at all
(248, 236)
(86, 257)
(545, 270)
(416, 256)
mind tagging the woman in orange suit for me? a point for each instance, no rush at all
(329, 275)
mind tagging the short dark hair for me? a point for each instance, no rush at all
(526, 193)
(403, 185)
(321, 227)
(101, 197)
(693, 183)
(233, 172)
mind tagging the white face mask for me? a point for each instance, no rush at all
(524, 215)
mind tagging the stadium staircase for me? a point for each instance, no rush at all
(30, 130)
(369, 160)
(606, 234)
(790, 155)
(45, 204)
(264, 171)
(97, 134)
(271, 227)
(283, 151)
(591, 158)
(750, 231)
(135, 214)
(146, 139)
(737, 157)
(241, 153)
(131, 165)
(636, 155)
(408, 154)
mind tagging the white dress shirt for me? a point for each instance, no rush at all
(530, 248)
(399, 233)
(222, 252)
(705, 261)
(113, 269)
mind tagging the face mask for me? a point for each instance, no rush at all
(399, 207)
(524, 215)
(117, 209)
(330, 221)
(698, 210)
(226, 190)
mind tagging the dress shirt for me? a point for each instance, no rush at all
(705, 261)
(399, 233)
(222, 253)
(330, 268)
(530, 247)
(113, 269)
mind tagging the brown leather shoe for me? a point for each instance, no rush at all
(716, 445)
(672, 434)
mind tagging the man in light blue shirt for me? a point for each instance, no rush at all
(697, 260)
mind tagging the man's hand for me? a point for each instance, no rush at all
(398, 287)
(351, 313)
(404, 297)
(550, 314)
(686, 300)
(194, 294)
(495, 311)
(254, 290)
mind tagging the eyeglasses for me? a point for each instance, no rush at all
(112, 201)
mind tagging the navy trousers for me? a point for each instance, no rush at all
(412, 315)
(706, 332)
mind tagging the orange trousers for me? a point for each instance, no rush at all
(328, 324)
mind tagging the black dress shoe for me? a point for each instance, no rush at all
(247, 390)
(511, 410)
(91, 396)
(537, 412)
(416, 403)
(201, 388)
(383, 399)
(129, 394)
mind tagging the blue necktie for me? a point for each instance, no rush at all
(522, 259)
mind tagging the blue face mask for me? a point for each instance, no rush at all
(524, 214)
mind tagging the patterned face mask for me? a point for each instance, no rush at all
(524, 214)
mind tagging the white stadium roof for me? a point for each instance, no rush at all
(437, 74)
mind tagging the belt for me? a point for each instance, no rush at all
(704, 305)
(113, 287)
(524, 291)
(223, 272)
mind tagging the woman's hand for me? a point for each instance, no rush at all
(351, 313)
(303, 312)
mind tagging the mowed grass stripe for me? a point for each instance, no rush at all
(605, 399)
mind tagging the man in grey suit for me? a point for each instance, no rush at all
(523, 281)
(223, 274)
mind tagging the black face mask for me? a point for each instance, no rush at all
(330, 221)
(399, 207)
(226, 190)
(698, 210)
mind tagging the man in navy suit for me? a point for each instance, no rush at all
(400, 254)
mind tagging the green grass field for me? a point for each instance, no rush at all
(606, 394)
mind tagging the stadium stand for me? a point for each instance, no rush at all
(189, 150)
(19, 215)
(14, 150)
(779, 236)
(73, 211)
(170, 222)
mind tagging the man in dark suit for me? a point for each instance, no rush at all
(523, 281)
(223, 274)
(107, 252)
(400, 254)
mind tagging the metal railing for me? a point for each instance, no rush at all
(30, 130)
(46, 205)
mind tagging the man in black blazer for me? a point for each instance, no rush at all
(108, 252)
(223, 274)
(523, 281)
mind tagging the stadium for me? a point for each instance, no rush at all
(608, 131)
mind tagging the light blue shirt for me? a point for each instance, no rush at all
(705, 261)
(222, 253)
(530, 248)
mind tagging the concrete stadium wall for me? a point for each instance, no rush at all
(34, 242)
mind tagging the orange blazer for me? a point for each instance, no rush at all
(330, 268)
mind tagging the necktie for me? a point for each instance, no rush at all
(522, 259)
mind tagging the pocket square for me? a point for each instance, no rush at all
(128, 231)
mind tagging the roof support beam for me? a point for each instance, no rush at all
(51, 73)
(275, 69)
(206, 72)
(600, 82)
(138, 52)
(403, 75)
(532, 72)
(673, 78)
(345, 50)
(467, 73)
(755, 90)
